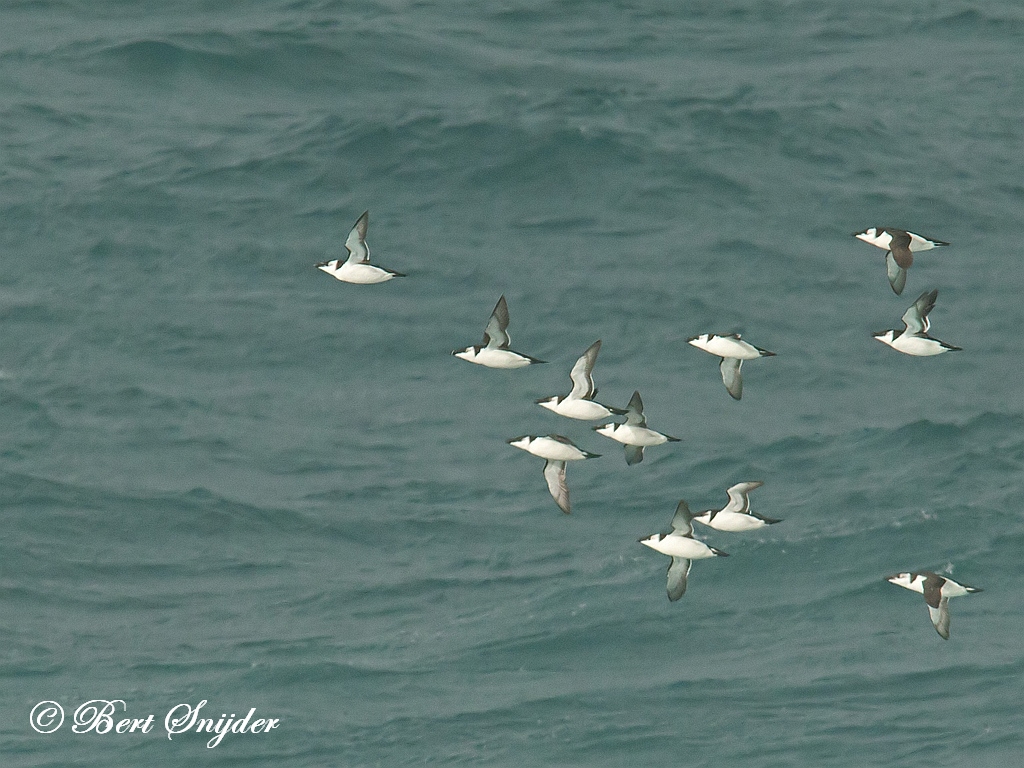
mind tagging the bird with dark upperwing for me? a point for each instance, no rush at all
(899, 246)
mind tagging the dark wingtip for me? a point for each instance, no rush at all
(617, 411)
(673, 439)
(719, 552)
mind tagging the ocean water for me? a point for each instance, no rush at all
(226, 477)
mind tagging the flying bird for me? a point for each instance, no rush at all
(914, 339)
(357, 268)
(682, 548)
(494, 351)
(634, 433)
(580, 403)
(733, 350)
(936, 590)
(736, 515)
(899, 246)
(556, 450)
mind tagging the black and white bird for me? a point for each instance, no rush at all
(736, 515)
(634, 433)
(357, 267)
(580, 403)
(682, 548)
(936, 590)
(914, 339)
(733, 350)
(899, 246)
(556, 450)
(494, 351)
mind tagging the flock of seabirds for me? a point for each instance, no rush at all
(557, 450)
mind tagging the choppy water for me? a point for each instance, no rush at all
(226, 477)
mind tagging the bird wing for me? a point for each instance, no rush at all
(635, 411)
(495, 335)
(897, 275)
(916, 317)
(678, 570)
(634, 454)
(581, 374)
(554, 474)
(682, 521)
(730, 368)
(358, 251)
(940, 617)
(738, 499)
(899, 245)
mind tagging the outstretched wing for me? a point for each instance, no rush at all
(682, 521)
(554, 474)
(897, 274)
(940, 617)
(678, 570)
(730, 368)
(358, 251)
(634, 454)
(495, 335)
(582, 373)
(900, 247)
(635, 411)
(916, 317)
(738, 498)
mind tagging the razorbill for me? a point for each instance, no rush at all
(633, 433)
(682, 548)
(493, 351)
(357, 268)
(580, 403)
(936, 590)
(914, 339)
(899, 246)
(733, 350)
(557, 450)
(736, 515)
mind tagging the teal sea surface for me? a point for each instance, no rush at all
(227, 478)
